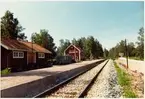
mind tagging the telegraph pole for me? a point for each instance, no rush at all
(126, 53)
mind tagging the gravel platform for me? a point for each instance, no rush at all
(30, 83)
(19, 78)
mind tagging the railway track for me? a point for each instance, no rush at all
(74, 87)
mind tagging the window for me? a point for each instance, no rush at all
(41, 55)
(17, 54)
(21, 54)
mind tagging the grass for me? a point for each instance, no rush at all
(125, 81)
(6, 71)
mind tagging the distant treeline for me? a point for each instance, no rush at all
(132, 51)
(91, 47)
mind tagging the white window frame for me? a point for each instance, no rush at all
(19, 54)
(41, 55)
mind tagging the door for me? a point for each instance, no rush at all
(31, 57)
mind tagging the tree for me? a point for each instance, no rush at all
(10, 27)
(45, 40)
(121, 46)
(106, 52)
(63, 46)
(100, 49)
(132, 51)
(140, 42)
(92, 48)
(89, 46)
(113, 53)
(141, 36)
(74, 42)
(131, 48)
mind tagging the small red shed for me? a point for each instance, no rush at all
(74, 51)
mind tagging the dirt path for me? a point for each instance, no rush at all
(137, 81)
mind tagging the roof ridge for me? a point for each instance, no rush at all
(12, 44)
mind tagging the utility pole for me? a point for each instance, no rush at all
(126, 53)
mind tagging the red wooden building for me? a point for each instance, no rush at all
(19, 54)
(75, 52)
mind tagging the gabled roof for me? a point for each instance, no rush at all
(73, 46)
(36, 47)
(79, 48)
(11, 44)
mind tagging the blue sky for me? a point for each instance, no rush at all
(109, 22)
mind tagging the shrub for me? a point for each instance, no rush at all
(6, 71)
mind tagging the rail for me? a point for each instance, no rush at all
(56, 87)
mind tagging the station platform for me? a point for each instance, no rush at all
(30, 83)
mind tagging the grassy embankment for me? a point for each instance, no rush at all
(124, 80)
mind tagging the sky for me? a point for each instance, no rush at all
(108, 22)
